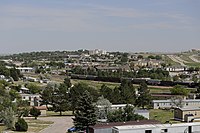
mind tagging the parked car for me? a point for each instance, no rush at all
(72, 129)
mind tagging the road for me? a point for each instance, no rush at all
(61, 124)
(192, 57)
(176, 59)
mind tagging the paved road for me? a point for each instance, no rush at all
(194, 59)
(61, 124)
(175, 59)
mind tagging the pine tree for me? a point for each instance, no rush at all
(60, 99)
(144, 97)
(85, 115)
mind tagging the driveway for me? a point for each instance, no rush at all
(61, 124)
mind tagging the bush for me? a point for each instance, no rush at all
(35, 112)
(26, 112)
(21, 125)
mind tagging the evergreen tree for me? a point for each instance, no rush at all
(47, 94)
(67, 82)
(60, 99)
(85, 115)
(127, 92)
(77, 90)
(144, 97)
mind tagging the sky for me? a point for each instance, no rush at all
(111, 25)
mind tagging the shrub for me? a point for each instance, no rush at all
(35, 112)
(26, 112)
(21, 125)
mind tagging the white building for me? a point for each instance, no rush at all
(33, 99)
(97, 52)
(159, 128)
(25, 69)
(144, 113)
(169, 103)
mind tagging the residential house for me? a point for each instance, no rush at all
(187, 114)
(25, 69)
(33, 99)
(43, 110)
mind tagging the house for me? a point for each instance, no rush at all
(33, 99)
(25, 69)
(169, 103)
(186, 114)
(107, 127)
(43, 110)
(176, 69)
(158, 128)
(24, 90)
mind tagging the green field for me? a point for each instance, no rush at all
(52, 113)
(34, 126)
(161, 115)
(96, 84)
(169, 61)
(194, 64)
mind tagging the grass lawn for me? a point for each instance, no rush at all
(96, 84)
(34, 126)
(52, 113)
(159, 90)
(161, 115)
(194, 64)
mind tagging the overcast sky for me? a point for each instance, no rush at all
(113, 25)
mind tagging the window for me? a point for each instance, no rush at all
(157, 104)
(164, 131)
(148, 131)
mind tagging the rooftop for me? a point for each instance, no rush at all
(112, 124)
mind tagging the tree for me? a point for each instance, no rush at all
(177, 101)
(77, 90)
(60, 99)
(85, 115)
(67, 82)
(144, 97)
(106, 92)
(21, 125)
(35, 112)
(8, 117)
(127, 92)
(47, 94)
(104, 107)
(179, 90)
(122, 115)
(33, 88)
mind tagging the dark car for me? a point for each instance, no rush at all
(72, 129)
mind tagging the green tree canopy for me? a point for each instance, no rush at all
(179, 90)
(144, 97)
(122, 115)
(85, 115)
